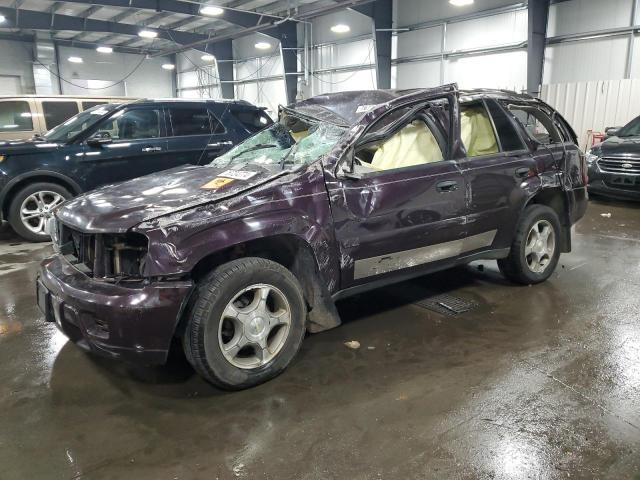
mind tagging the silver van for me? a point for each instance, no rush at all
(22, 117)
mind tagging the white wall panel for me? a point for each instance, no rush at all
(345, 81)
(345, 54)
(594, 105)
(359, 24)
(248, 92)
(499, 70)
(271, 95)
(489, 31)
(418, 74)
(16, 61)
(147, 80)
(411, 12)
(419, 42)
(578, 16)
(597, 59)
(245, 47)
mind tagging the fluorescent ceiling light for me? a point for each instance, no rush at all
(104, 49)
(460, 3)
(168, 66)
(147, 34)
(208, 58)
(75, 59)
(263, 45)
(211, 10)
(341, 28)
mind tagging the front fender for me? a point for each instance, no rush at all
(178, 248)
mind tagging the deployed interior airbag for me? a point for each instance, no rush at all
(476, 132)
(412, 145)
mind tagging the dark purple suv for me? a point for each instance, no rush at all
(346, 192)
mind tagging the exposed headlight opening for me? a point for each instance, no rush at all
(110, 257)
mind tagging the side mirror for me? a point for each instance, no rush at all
(99, 139)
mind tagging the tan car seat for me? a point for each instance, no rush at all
(476, 132)
(413, 145)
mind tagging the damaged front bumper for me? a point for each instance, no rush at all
(132, 323)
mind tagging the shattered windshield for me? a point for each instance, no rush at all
(280, 146)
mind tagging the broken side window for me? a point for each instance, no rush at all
(536, 123)
(406, 137)
(510, 140)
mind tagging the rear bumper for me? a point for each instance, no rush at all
(135, 324)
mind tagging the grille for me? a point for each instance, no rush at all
(619, 165)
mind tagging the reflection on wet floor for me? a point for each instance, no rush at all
(536, 382)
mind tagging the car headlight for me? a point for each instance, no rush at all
(2, 158)
(591, 157)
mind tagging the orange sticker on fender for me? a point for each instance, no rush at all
(217, 182)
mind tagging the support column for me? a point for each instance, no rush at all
(223, 51)
(381, 12)
(288, 36)
(632, 40)
(537, 38)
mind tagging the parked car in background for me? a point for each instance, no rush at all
(347, 192)
(110, 143)
(27, 116)
(614, 165)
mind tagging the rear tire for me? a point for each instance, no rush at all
(535, 249)
(246, 322)
(32, 205)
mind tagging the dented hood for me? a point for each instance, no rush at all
(118, 207)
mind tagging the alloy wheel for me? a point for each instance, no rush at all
(254, 327)
(37, 208)
(540, 246)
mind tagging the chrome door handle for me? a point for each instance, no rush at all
(220, 144)
(152, 149)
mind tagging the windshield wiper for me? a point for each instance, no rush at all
(260, 146)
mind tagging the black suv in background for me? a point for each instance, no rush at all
(114, 142)
(614, 165)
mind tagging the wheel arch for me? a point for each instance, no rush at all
(18, 183)
(292, 252)
(555, 199)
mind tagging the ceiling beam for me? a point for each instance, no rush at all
(234, 16)
(36, 20)
(181, 23)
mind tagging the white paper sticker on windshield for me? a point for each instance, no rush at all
(238, 174)
(365, 108)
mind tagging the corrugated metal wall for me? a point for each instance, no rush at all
(594, 105)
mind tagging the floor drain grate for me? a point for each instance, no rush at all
(446, 304)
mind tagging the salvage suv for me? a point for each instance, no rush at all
(347, 192)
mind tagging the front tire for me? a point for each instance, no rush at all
(32, 206)
(246, 322)
(535, 249)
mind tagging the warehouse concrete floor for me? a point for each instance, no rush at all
(537, 382)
